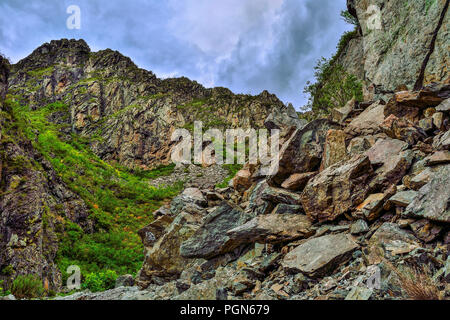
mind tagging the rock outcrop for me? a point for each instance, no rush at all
(128, 113)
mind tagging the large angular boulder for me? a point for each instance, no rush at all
(320, 256)
(298, 181)
(284, 119)
(390, 238)
(340, 114)
(433, 199)
(255, 202)
(302, 152)
(368, 122)
(272, 228)
(392, 159)
(334, 148)
(337, 189)
(163, 259)
(402, 129)
(211, 238)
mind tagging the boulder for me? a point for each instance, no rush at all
(155, 230)
(444, 106)
(298, 181)
(337, 189)
(403, 198)
(392, 160)
(358, 145)
(426, 230)
(195, 196)
(439, 157)
(211, 238)
(283, 208)
(319, 257)
(438, 120)
(340, 114)
(390, 238)
(433, 199)
(420, 179)
(402, 129)
(302, 152)
(272, 228)
(243, 180)
(284, 119)
(163, 259)
(334, 148)
(420, 99)
(278, 195)
(368, 122)
(256, 203)
(359, 227)
(442, 141)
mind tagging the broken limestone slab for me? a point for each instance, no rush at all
(320, 256)
(211, 238)
(433, 199)
(272, 228)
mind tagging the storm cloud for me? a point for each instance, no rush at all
(245, 45)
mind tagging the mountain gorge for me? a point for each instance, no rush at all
(362, 190)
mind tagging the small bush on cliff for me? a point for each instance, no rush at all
(100, 281)
(333, 89)
(349, 18)
(27, 287)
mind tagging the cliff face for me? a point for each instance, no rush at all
(127, 112)
(64, 102)
(409, 48)
(32, 203)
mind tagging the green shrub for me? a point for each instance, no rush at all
(120, 200)
(349, 18)
(333, 89)
(27, 287)
(100, 281)
(3, 291)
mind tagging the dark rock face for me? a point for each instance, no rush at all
(211, 239)
(433, 199)
(303, 151)
(337, 189)
(33, 198)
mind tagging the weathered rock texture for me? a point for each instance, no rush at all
(130, 113)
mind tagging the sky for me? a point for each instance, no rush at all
(245, 45)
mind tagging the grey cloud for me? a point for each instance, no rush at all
(246, 45)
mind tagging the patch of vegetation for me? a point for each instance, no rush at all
(39, 73)
(3, 291)
(120, 200)
(349, 18)
(27, 287)
(232, 170)
(333, 88)
(100, 281)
